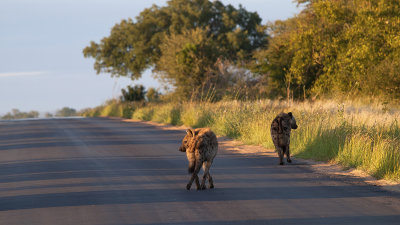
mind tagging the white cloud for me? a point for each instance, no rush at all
(21, 74)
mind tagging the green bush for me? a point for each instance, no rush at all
(145, 113)
(113, 110)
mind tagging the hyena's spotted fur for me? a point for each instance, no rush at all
(280, 132)
(201, 147)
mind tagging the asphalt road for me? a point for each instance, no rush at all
(106, 171)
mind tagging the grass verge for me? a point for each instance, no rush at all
(366, 138)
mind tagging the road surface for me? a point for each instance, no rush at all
(107, 171)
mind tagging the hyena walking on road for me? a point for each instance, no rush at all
(281, 127)
(201, 147)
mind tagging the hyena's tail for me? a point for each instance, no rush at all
(192, 165)
(284, 149)
(280, 130)
(195, 164)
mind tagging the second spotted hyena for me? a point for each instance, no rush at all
(201, 147)
(281, 127)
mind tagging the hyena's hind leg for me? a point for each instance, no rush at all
(206, 168)
(194, 177)
(210, 180)
(281, 154)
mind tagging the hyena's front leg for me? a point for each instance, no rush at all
(288, 154)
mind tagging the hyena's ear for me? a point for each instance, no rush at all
(290, 114)
(190, 132)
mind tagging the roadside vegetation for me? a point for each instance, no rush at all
(17, 114)
(334, 65)
(66, 112)
(351, 134)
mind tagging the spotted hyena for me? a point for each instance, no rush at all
(280, 132)
(201, 147)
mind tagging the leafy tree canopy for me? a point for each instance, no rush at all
(152, 95)
(335, 46)
(66, 112)
(17, 114)
(187, 62)
(132, 94)
(134, 46)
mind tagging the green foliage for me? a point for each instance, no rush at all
(169, 114)
(196, 115)
(181, 42)
(91, 112)
(145, 113)
(113, 109)
(127, 109)
(132, 94)
(335, 47)
(66, 112)
(332, 48)
(187, 61)
(16, 114)
(48, 115)
(152, 95)
(132, 46)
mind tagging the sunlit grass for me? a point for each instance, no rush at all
(351, 134)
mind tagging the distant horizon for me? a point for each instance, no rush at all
(42, 67)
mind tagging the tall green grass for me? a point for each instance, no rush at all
(354, 135)
(112, 108)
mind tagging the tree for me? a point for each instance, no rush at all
(48, 115)
(134, 46)
(152, 95)
(16, 114)
(66, 112)
(132, 94)
(334, 47)
(187, 62)
(274, 62)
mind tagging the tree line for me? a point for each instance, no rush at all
(203, 48)
(17, 114)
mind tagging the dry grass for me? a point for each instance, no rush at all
(349, 133)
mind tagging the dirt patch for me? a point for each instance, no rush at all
(330, 169)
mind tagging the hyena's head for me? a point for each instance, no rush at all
(190, 133)
(285, 122)
(292, 121)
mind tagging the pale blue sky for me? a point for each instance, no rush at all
(41, 63)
